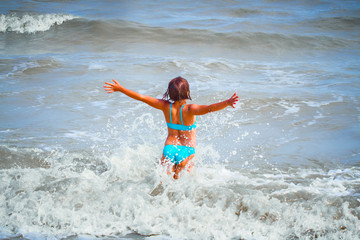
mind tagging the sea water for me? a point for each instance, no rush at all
(78, 163)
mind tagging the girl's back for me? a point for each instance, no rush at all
(181, 125)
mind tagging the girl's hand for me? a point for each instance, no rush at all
(232, 101)
(112, 87)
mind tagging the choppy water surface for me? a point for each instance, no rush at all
(77, 163)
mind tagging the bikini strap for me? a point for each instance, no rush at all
(182, 123)
(170, 112)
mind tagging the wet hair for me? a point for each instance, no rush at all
(178, 89)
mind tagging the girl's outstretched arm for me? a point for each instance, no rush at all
(116, 87)
(204, 109)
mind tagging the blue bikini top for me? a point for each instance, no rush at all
(181, 127)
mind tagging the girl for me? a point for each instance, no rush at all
(180, 118)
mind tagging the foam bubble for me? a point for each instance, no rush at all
(290, 108)
(97, 66)
(32, 23)
(72, 197)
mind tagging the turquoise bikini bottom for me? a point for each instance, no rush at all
(177, 153)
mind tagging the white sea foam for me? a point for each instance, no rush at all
(291, 108)
(212, 202)
(32, 23)
(97, 66)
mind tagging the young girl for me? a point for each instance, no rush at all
(180, 118)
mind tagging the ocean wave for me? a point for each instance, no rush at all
(33, 66)
(63, 198)
(245, 12)
(126, 32)
(32, 23)
(346, 23)
(120, 35)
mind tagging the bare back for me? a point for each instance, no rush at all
(180, 137)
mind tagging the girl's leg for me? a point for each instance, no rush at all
(181, 166)
(190, 166)
(166, 163)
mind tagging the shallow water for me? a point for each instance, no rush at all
(77, 163)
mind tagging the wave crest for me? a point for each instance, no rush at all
(32, 23)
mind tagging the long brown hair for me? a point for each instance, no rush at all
(178, 89)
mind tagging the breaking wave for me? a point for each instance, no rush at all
(32, 23)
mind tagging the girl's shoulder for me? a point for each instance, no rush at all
(190, 107)
(165, 104)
